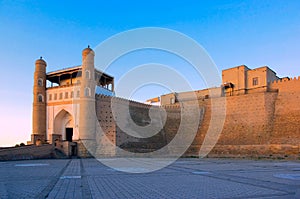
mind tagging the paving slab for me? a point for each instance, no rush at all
(185, 178)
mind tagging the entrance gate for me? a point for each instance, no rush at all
(69, 134)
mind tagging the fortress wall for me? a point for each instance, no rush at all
(141, 116)
(172, 121)
(105, 117)
(113, 112)
(285, 83)
(27, 152)
(171, 126)
(259, 124)
(248, 119)
(138, 121)
(205, 118)
(262, 124)
(287, 114)
(182, 116)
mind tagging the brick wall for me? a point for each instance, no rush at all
(262, 124)
(114, 113)
(286, 128)
(258, 124)
(248, 119)
(27, 152)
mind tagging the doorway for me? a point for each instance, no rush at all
(69, 134)
(64, 125)
(74, 149)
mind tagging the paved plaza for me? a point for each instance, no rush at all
(186, 178)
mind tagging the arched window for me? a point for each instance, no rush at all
(40, 82)
(40, 98)
(87, 74)
(38, 142)
(87, 92)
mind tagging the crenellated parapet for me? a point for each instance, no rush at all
(285, 84)
(285, 79)
(119, 100)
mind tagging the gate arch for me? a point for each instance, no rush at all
(63, 121)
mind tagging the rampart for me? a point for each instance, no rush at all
(27, 152)
(114, 115)
(258, 124)
(261, 124)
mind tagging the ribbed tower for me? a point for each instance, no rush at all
(87, 113)
(39, 103)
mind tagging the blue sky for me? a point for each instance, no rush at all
(254, 33)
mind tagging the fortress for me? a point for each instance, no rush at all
(262, 114)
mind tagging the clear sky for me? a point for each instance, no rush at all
(255, 33)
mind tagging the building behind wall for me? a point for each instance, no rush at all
(239, 80)
(242, 80)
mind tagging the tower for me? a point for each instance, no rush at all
(39, 103)
(87, 113)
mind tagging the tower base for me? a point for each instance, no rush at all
(37, 139)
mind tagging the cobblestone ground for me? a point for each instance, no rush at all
(186, 178)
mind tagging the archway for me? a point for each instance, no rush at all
(38, 142)
(64, 125)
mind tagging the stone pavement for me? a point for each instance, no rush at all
(186, 178)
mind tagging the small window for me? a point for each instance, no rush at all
(50, 97)
(87, 74)
(55, 96)
(87, 92)
(255, 81)
(40, 82)
(72, 94)
(172, 100)
(60, 95)
(40, 98)
(78, 94)
(66, 95)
